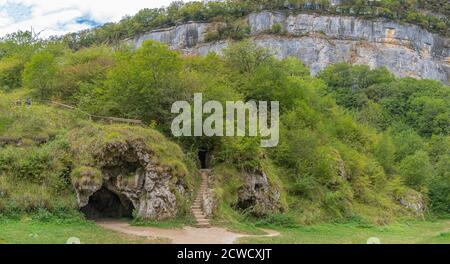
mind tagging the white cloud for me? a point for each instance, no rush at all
(53, 17)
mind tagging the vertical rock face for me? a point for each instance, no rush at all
(406, 50)
(178, 37)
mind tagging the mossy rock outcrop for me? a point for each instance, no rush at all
(56, 160)
(140, 166)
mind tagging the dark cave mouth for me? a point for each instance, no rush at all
(105, 204)
(203, 158)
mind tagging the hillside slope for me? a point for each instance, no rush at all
(56, 160)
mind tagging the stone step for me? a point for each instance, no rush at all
(198, 213)
(203, 226)
(196, 208)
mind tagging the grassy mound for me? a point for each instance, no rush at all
(45, 150)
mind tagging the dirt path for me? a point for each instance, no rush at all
(187, 235)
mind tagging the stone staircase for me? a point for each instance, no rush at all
(197, 208)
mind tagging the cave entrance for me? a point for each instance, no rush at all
(203, 158)
(106, 204)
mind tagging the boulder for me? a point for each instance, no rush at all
(413, 201)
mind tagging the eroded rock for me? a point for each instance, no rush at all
(413, 201)
(130, 170)
(258, 195)
(209, 203)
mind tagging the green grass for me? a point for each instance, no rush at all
(27, 231)
(415, 232)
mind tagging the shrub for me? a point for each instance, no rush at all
(416, 169)
(40, 73)
(277, 28)
(11, 73)
(439, 188)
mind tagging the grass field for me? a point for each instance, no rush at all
(415, 232)
(34, 232)
(27, 231)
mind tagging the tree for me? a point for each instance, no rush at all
(145, 83)
(84, 67)
(39, 74)
(416, 170)
(385, 153)
(245, 57)
(440, 186)
(11, 73)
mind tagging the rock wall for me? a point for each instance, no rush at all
(319, 41)
(130, 171)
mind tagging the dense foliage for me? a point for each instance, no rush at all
(355, 143)
(430, 15)
(415, 114)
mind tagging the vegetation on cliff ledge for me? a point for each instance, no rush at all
(431, 15)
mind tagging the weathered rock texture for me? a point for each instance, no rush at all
(130, 171)
(413, 201)
(258, 195)
(318, 41)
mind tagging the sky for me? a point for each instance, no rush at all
(57, 17)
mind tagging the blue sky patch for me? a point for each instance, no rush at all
(88, 20)
(58, 17)
(17, 11)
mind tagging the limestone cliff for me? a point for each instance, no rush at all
(318, 41)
